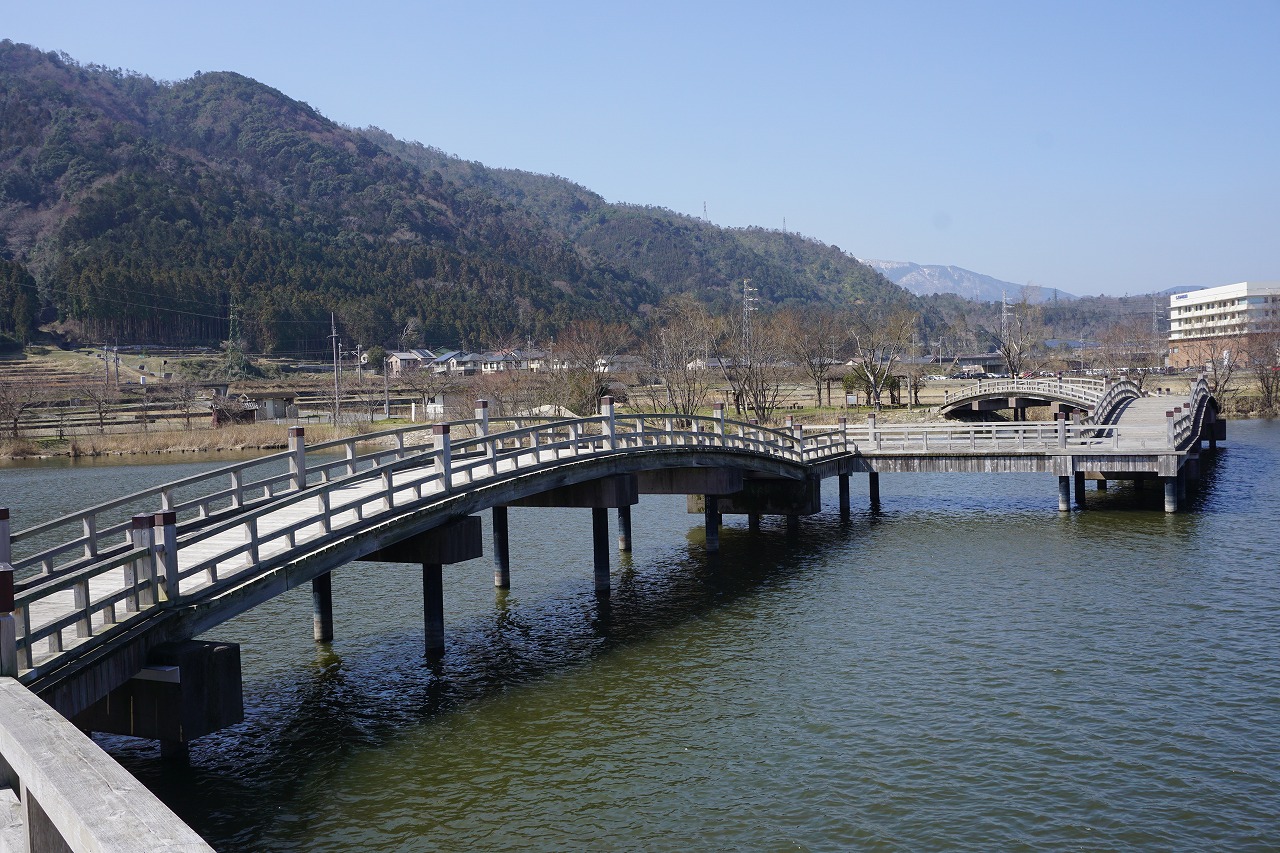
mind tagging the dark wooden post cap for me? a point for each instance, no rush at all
(440, 429)
(6, 588)
(166, 518)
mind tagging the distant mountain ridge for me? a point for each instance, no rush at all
(188, 203)
(926, 279)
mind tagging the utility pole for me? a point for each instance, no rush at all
(1004, 317)
(386, 389)
(748, 305)
(333, 328)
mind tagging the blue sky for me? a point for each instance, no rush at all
(1097, 147)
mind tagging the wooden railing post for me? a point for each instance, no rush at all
(872, 431)
(6, 542)
(165, 545)
(606, 409)
(140, 570)
(8, 626)
(843, 423)
(717, 410)
(1061, 418)
(1168, 417)
(482, 430)
(298, 457)
(444, 465)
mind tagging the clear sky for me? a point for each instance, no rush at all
(1098, 147)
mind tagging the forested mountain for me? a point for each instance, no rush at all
(149, 211)
(677, 253)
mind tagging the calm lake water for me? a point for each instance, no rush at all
(965, 670)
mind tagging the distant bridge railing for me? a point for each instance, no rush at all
(1076, 389)
(196, 536)
(1101, 397)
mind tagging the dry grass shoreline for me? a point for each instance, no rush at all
(239, 438)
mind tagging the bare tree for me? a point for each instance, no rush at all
(683, 337)
(16, 398)
(1221, 359)
(1262, 358)
(583, 354)
(426, 384)
(99, 397)
(1131, 346)
(185, 395)
(1021, 338)
(756, 369)
(880, 338)
(511, 392)
(811, 338)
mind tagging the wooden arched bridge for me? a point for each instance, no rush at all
(91, 594)
(1099, 398)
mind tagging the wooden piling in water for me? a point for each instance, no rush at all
(501, 549)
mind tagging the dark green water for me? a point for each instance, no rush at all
(967, 670)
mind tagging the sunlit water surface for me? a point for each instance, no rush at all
(966, 669)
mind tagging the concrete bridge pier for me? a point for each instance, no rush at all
(1170, 494)
(322, 607)
(600, 496)
(600, 546)
(185, 690)
(793, 526)
(1064, 494)
(453, 542)
(624, 529)
(501, 549)
(711, 520)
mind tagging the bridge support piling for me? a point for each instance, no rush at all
(844, 497)
(600, 546)
(873, 487)
(624, 529)
(1064, 494)
(433, 606)
(753, 522)
(1170, 494)
(322, 607)
(711, 520)
(1079, 488)
(1102, 485)
(501, 549)
(793, 526)
(1182, 485)
(452, 542)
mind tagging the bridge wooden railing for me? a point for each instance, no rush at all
(1184, 421)
(248, 517)
(1076, 389)
(1115, 394)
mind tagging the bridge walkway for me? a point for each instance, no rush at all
(88, 589)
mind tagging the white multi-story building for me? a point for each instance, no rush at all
(1206, 324)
